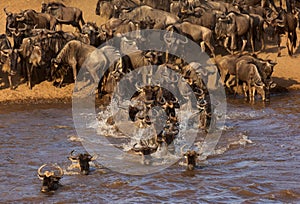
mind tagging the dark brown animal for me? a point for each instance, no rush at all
(65, 15)
(50, 178)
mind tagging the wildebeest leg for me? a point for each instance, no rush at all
(211, 48)
(223, 76)
(102, 84)
(278, 45)
(236, 83)
(61, 81)
(77, 26)
(10, 82)
(233, 43)
(245, 90)
(29, 67)
(290, 49)
(74, 72)
(226, 45)
(202, 45)
(244, 44)
(262, 36)
(252, 93)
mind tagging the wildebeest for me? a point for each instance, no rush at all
(284, 23)
(76, 54)
(31, 56)
(50, 178)
(65, 15)
(262, 3)
(232, 26)
(228, 65)
(8, 62)
(250, 76)
(8, 59)
(92, 31)
(197, 33)
(37, 20)
(105, 9)
(206, 18)
(82, 161)
(11, 22)
(162, 5)
(191, 158)
(161, 18)
(4, 42)
(113, 8)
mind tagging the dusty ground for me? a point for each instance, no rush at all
(286, 74)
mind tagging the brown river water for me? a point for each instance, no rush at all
(264, 171)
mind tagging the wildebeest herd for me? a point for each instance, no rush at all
(39, 51)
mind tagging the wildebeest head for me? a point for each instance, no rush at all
(11, 22)
(268, 86)
(44, 7)
(50, 178)
(83, 160)
(54, 69)
(269, 68)
(92, 31)
(145, 148)
(222, 26)
(191, 158)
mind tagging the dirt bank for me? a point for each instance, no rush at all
(286, 74)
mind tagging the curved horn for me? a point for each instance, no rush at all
(72, 156)
(175, 80)
(7, 13)
(181, 149)
(162, 100)
(40, 169)
(25, 27)
(168, 39)
(11, 29)
(174, 101)
(137, 87)
(61, 171)
(201, 104)
(137, 149)
(185, 40)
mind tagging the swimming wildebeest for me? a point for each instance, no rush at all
(82, 161)
(50, 178)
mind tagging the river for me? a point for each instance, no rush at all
(264, 170)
